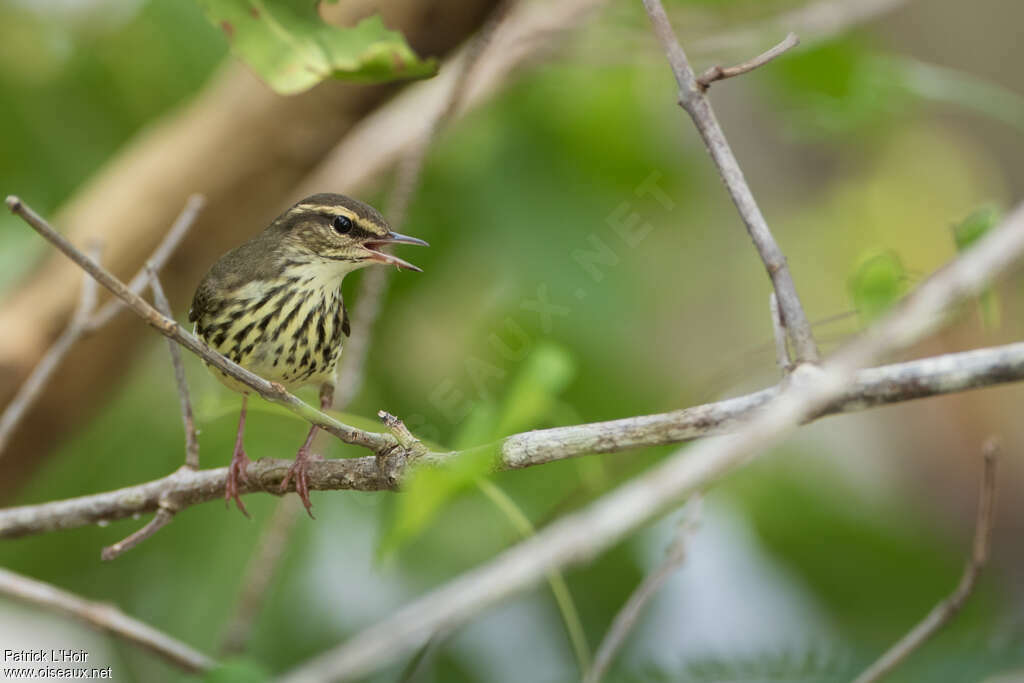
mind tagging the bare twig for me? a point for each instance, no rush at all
(580, 536)
(779, 332)
(884, 385)
(86, 320)
(258, 575)
(697, 105)
(41, 374)
(719, 73)
(191, 441)
(182, 224)
(168, 327)
(942, 613)
(627, 617)
(162, 518)
(103, 617)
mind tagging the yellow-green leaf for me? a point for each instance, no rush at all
(292, 49)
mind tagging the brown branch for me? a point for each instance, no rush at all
(627, 617)
(942, 613)
(271, 391)
(85, 320)
(105, 618)
(188, 420)
(693, 99)
(156, 262)
(720, 73)
(884, 385)
(162, 518)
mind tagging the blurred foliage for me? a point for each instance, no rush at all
(877, 284)
(506, 331)
(966, 233)
(292, 48)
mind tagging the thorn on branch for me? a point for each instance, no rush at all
(720, 73)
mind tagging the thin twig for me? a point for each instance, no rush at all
(884, 385)
(627, 617)
(782, 358)
(271, 391)
(37, 380)
(168, 245)
(693, 99)
(103, 617)
(86, 320)
(942, 613)
(580, 536)
(719, 73)
(191, 440)
(258, 575)
(162, 518)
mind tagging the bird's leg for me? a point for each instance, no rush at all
(300, 468)
(239, 463)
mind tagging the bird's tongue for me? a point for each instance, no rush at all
(384, 257)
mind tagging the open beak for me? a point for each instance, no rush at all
(373, 246)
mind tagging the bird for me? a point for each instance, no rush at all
(274, 306)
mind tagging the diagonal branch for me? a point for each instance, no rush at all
(271, 391)
(580, 536)
(85, 320)
(693, 99)
(103, 617)
(627, 617)
(948, 608)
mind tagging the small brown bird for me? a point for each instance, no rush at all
(273, 305)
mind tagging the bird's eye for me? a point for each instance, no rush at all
(342, 225)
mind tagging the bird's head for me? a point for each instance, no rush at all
(332, 227)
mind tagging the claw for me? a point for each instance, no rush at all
(237, 472)
(300, 471)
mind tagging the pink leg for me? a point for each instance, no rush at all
(300, 469)
(239, 462)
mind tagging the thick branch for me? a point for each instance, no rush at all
(579, 537)
(270, 391)
(873, 387)
(103, 617)
(697, 105)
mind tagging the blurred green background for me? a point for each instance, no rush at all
(807, 563)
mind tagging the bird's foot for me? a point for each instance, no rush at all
(300, 471)
(237, 472)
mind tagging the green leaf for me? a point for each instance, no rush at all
(291, 48)
(965, 234)
(238, 671)
(427, 488)
(877, 283)
(980, 221)
(530, 399)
